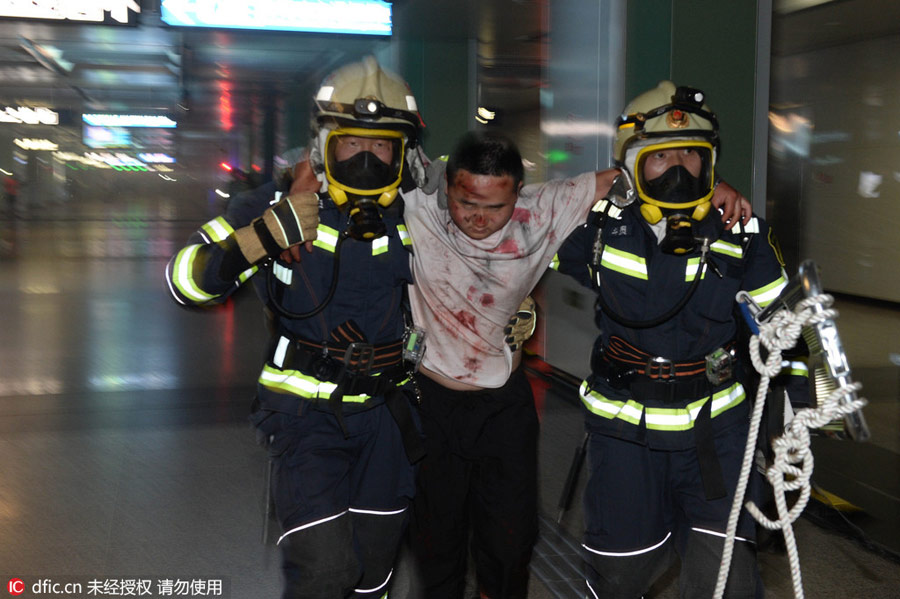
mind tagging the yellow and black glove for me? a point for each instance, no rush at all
(520, 327)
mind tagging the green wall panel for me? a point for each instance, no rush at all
(708, 44)
(438, 72)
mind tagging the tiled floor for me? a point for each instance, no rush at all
(125, 454)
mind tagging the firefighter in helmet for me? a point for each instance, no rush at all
(666, 403)
(332, 402)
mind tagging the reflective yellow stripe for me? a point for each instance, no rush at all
(554, 264)
(405, 238)
(625, 263)
(182, 275)
(380, 245)
(765, 295)
(302, 385)
(794, 368)
(690, 270)
(326, 238)
(729, 249)
(661, 419)
(247, 274)
(217, 229)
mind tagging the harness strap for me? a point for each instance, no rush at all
(654, 367)
(710, 468)
(398, 406)
(317, 359)
(668, 391)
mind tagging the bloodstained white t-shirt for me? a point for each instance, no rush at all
(465, 290)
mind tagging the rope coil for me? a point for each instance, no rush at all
(792, 466)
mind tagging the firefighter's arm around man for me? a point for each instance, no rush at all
(212, 264)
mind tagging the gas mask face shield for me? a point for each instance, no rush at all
(675, 182)
(676, 175)
(364, 168)
(365, 162)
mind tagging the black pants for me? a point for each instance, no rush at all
(643, 506)
(478, 484)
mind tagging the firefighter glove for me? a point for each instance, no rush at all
(291, 221)
(520, 327)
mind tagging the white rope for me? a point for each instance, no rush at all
(793, 463)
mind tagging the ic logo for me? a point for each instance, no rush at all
(16, 586)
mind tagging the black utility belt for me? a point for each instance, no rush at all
(350, 367)
(676, 391)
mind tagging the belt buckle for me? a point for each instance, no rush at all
(359, 357)
(660, 368)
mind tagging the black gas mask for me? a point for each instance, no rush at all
(676, 186)
(680, 190)
(363, 171)
(364, 183)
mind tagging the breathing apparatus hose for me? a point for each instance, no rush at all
(652, 322)
(335, 271)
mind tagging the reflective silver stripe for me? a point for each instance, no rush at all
(601, 206)
(280, 351)
(303, 385)
(405, 237)
(718, 534)
(380, 245)
(247, 274)
(327, 238)
(690, 270)
(729, 249)
(629, 553)
(752, 227)
(379, 587)
(624, 262)
(629, 411)
(661, 419)
(217, 229)
(378, 512)
(795, 368)
(310, 525)
(277, 198)
(283, 274)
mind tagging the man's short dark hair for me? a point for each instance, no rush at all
(486, 153)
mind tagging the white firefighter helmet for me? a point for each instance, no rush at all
(363, 100)
(665, 119)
